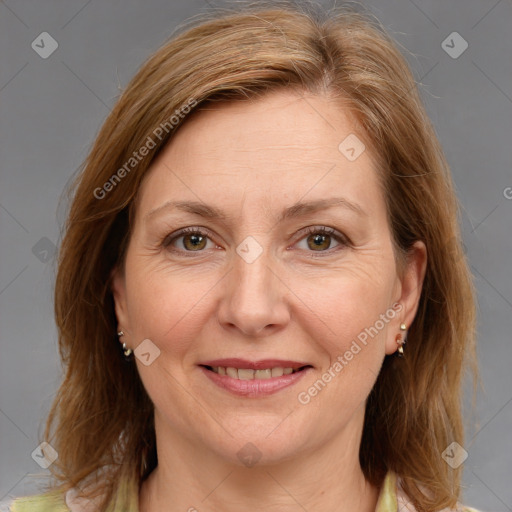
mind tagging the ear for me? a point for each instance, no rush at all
(118, 287)
(410, 286)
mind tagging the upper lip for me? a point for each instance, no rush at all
(238, 363)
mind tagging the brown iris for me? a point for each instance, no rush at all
(196, 242)
(319, 241)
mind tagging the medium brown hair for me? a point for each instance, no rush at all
(102, 415)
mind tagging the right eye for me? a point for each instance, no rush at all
(192, 240)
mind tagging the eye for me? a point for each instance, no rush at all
(318, 239)
(192, 240)
(321, 238)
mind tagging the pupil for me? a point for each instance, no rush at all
(320, 241)
(193, 241)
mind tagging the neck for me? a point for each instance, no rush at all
(191, 478)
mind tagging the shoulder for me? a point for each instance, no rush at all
(72, 499)
(48, 502)
(68, 501)
(404, 504)
(393, 498)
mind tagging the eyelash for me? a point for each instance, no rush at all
(311, 230)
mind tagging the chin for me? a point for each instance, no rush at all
(269, 441)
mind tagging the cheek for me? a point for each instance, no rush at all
(168, 307)
(353, 313)
(349, 331)
(347, 306)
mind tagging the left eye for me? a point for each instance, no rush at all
(319, 239)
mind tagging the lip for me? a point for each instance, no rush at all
(256, 387)
(254, 365)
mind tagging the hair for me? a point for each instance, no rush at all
(102, 417)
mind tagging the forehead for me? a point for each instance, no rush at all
(264, 153)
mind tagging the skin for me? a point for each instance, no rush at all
(252, 160)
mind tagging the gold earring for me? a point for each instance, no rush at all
(127, 351)
(400, 340)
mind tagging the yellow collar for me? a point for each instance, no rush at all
(387, 501)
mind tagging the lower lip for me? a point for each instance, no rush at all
(254, 387)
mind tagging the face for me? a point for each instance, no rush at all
(277, 258)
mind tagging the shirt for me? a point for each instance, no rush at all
(391, 499)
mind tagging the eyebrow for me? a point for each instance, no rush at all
(298, 209)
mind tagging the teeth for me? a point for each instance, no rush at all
(243, 374)
(248, 374)
(232, 372)
(261, 374)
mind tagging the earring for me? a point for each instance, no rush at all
(400, 340)
(127, 351)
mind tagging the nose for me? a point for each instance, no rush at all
(254, 298)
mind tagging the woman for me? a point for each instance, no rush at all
(262, 299)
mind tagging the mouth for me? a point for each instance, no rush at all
(254, 378)
(252, 374)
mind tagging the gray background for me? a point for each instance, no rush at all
(51, 109)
